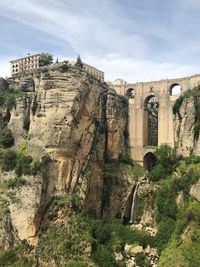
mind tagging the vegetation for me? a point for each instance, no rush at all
(34, 107)
(9, 160)
(26, 122)
(79, 62)
(22, 163)
(165, 164)
(45, 59)
(18, 256)
(6, 138)
(195, 94)
(114, 169)
(7, 98)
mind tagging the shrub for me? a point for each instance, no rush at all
(178, 104)
(45, 59)
(125, 158)
(64, 67)
(26, 122)
(34, 106)
(79, 62)
(9, 160)
(192, 160)
(158, 172)
(141, 260)
(166, 203)
(104, 257)
(165, 164)
(23, 165)
(165, 231)
(74, 263)
(15, 182)
(6, 138)
(46, 160)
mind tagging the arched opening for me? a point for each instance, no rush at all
(149, 161)
(130, 93)
(150, 130)
(175, 89)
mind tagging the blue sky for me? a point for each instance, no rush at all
(138, 40)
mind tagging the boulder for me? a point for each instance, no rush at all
(132, 250)
(195, 191)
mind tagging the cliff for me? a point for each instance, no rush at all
(71, 127)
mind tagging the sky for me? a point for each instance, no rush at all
(136, 40)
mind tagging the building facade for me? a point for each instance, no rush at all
(23, 64)
(152, 127)
(93, 71)
(90, 70)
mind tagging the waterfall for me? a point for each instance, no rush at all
(132, 217)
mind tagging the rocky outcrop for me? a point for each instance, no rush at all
(183, 128)
(82, 125)
(3, 85)
(195, 191)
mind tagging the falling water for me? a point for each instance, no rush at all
(132, 217)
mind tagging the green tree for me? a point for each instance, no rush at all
(79, 62)
(45, 59)
(6, 138)
(9, 160)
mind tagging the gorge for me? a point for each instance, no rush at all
(70, 190)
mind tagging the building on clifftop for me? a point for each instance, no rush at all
(29, 62)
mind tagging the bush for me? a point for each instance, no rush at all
(64, 67)
(6, 138)
(79, 62)
(23, 165)
(125, 158)
(142, 261)
(104, 257)
(158, 172)
(74, 263)
(15, 182)
(178, 104)
(9, 160)
(165, 164)
(26, 123)
(166, 202)
(192, 160)
(34, 106)
(45, 59)
(46, 160)
(165, 231)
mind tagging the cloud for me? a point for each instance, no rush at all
(4, 68)
(135, 40)
(141, 70)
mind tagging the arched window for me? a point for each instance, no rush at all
(149, 161)
(150, 130)
(130, 93)
(175, 89)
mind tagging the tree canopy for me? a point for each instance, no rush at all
(45, 59)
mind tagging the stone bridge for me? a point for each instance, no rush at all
(145, 135)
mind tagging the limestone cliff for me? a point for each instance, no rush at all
(186, 123)
(82, 125)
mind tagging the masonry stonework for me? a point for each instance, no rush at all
(138, 93)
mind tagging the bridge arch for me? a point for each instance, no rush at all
(149, 161)
(175, 89)
(150, 121)
(130, 92)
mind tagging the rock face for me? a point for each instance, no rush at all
(3, 85)
(184, 122)
(195, 191)
(81, 124)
